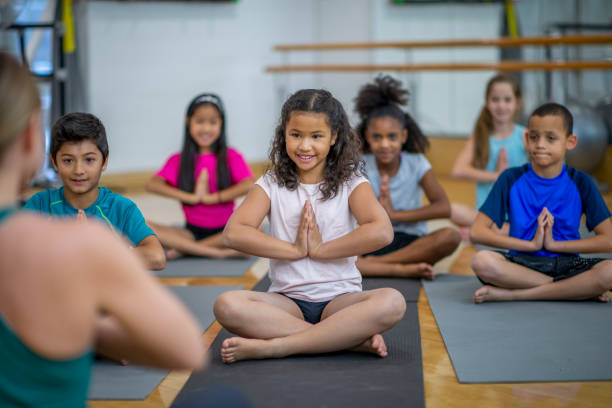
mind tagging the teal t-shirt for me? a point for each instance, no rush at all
(516, 157)
(119, 213)
(28, 379)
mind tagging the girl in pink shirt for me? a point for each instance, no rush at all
(205, 177)
(314, 195)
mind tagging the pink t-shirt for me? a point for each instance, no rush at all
(208, 215)
(309, 279)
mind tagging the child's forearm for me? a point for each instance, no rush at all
(159, 186)
(474, 174)
(486, 236)
(235, 191)
(428, 212)
(364, 239)
(598, 243)
(252, 241)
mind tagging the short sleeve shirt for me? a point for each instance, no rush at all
(405, 188)
(208, 215)
(520, 194)
(120, 214)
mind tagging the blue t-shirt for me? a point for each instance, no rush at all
(405, 188)
(519, 195)
(516, 157)
(116, 211)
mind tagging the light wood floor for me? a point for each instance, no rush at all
(442, 390)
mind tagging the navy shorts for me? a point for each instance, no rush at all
(310, 310)
(557, 267)
(400, 240)
(200, 233)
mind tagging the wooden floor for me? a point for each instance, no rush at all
(442, 390)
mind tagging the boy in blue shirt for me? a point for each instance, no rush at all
(79, 153)
(543, 202)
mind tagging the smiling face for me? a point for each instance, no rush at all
(308, 139)
(205, 126)
(79, 165)
(502, 103)
(546, 141)
(385, 136)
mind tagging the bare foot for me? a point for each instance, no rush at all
(375, 345)
(492, 294)
(172, 254)
(238, 348)
(603, 298)
(416, 270)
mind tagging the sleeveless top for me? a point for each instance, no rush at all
(28, 379)
(516, 157)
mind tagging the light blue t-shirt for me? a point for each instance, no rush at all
(516, 157)
(119, 213)
(405, 187)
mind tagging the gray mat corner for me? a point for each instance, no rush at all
(521, 341)
(111, 381)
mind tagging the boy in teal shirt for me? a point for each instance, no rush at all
(79, 153)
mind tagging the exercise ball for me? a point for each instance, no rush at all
(592, 137)
(604, 107)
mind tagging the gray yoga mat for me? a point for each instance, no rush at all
(205, 267)
(111, 381)
(521, 341)
(331, 380)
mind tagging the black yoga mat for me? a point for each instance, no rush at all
(111, 381)
(521, 341)
(205, 267)
(330, 380)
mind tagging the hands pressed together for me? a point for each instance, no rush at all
(543, 237)
(385, 196)
(308, 241)
(201, 192)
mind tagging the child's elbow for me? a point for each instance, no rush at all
(474, 235)
(386, 235)
(157, 261)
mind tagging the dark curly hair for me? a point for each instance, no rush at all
(343, 160)
(383, 98)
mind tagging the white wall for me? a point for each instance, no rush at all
(145, 61)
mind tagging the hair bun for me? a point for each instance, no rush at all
(385, 91)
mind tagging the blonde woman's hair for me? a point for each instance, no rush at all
(19, 100)
(484, 124)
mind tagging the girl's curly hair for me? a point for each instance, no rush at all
(381, 99)
(343, 160)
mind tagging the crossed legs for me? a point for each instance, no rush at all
(271, 326)
(180, 241)
(414, 260)
(516, 282)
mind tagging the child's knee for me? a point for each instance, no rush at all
(449, 240)
(484, 264)
(227, 307)
(392, 308)
(604, 274)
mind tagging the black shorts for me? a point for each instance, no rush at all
(400, 240)
(200, 233)
(557, 267)
(310, 310)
